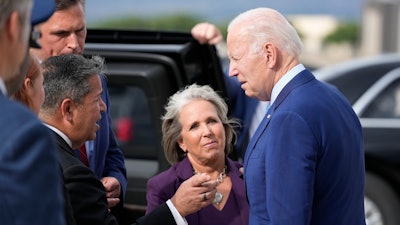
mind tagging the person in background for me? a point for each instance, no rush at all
(197, 137)
(249, 111)
(31, 92)
(65, 33)
(305, 163)
(30, 182)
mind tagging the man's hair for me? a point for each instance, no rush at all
(9, 6)
(67, 76)
(65, 4)
(266, 24)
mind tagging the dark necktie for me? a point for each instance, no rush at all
(83, 155)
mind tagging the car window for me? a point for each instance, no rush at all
(131, 119)
(386, 104)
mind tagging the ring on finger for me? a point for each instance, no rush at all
(204, 196)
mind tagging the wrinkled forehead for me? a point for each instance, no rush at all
(237, 43)
(238, 33)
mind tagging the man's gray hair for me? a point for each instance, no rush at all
(9, 6)
(67, 76)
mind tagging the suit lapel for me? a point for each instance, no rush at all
(62, 144)
(300, 79)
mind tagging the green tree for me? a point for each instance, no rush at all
(346, 32)
(176, 22)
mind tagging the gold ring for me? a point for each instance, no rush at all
(204, 196)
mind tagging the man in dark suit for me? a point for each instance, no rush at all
(72, 109)
(30, 184)
(305, 163)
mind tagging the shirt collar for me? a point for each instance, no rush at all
(285, 80)
(3, 88)
(66, 139)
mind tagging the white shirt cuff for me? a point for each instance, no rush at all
(178, 218)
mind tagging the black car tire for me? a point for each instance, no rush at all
(384, 198)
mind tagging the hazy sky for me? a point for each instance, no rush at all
(218, 10)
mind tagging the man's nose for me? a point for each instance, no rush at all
(103, 106)
(73, 41)
(232, 69)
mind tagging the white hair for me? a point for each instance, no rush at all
(265, 24)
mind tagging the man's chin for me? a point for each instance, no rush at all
(92, 137)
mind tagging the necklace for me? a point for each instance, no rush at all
(218, 195)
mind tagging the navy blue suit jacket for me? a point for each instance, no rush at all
(305, 163)
(30, 179)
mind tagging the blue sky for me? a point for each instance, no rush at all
(219, 10)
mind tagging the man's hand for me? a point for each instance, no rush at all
(194, 194)
(113, 190)
(207, 33)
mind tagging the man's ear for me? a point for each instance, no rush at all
(270, 53)
(28, 85)
(67, 109)
(12, 27)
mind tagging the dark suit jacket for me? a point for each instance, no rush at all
(87, 194)
(305, 163)
(30, 182)
(163, 186)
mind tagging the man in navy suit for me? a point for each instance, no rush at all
(305, 163)
(30, 182)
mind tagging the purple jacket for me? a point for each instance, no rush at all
(162, 187)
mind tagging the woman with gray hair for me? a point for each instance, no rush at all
(197, 137)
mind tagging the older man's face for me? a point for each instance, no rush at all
(249, 68)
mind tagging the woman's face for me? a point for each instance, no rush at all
(36, 92)
(202, 134)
